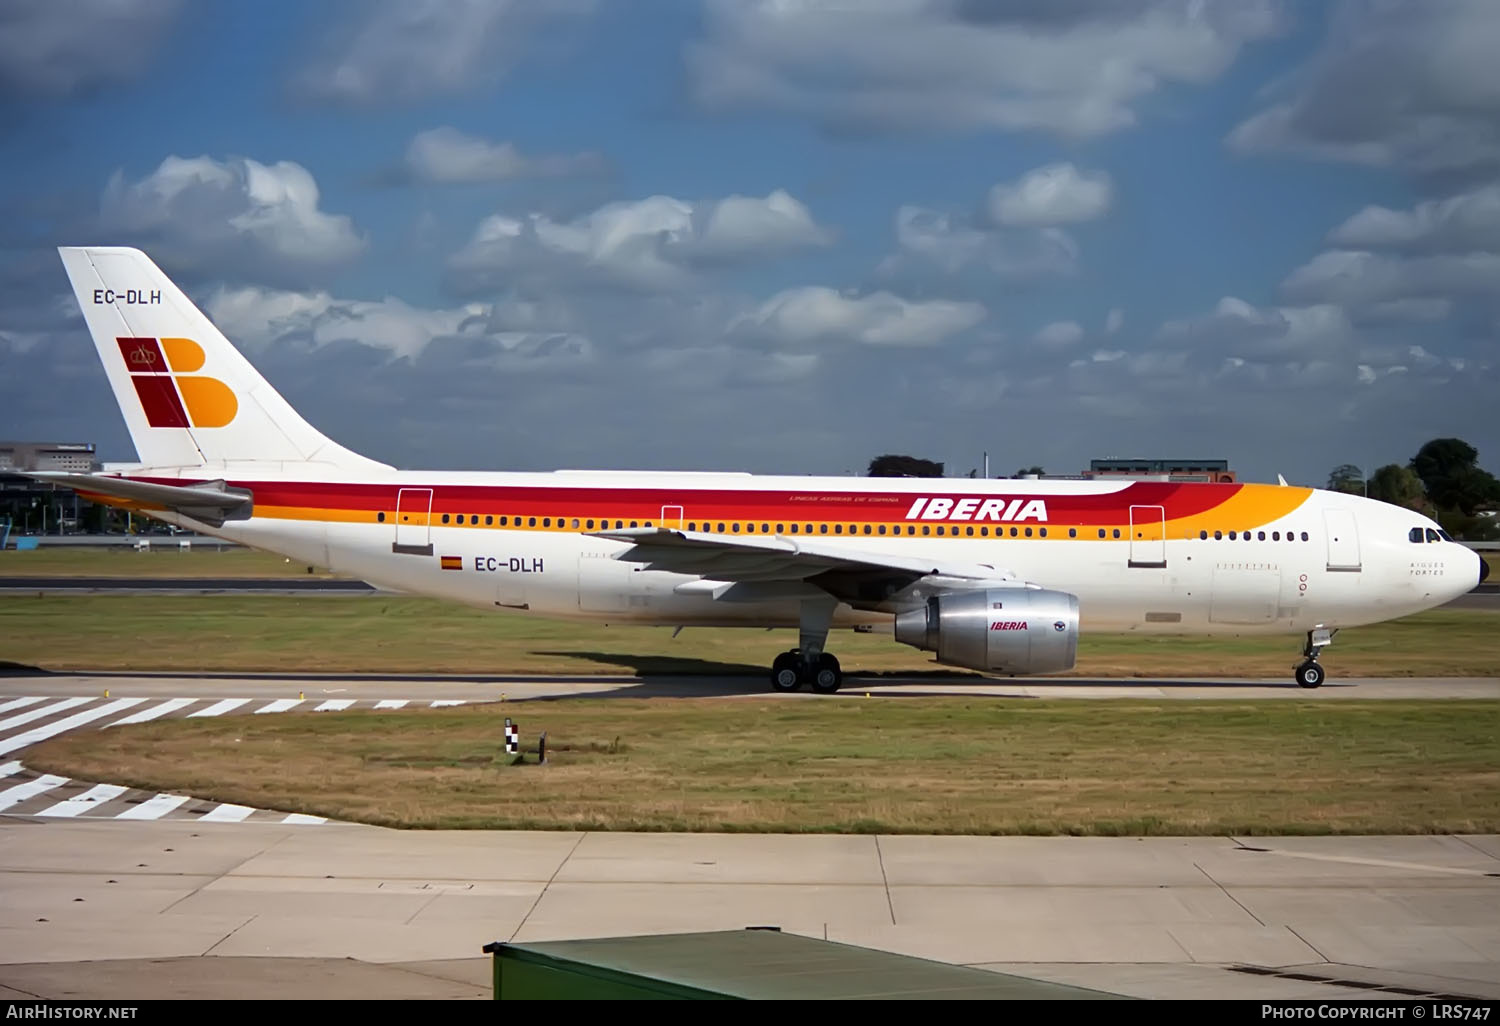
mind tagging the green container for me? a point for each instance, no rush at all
(756, 963)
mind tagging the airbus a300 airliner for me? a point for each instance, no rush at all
(998, 576)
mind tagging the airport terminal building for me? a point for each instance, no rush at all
(31, 507)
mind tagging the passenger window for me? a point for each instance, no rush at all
(765, 528)
(781, 528)
(1117, 532)
(969, 531)
(822, 528)
(547, 522)
(1276, 536)
(926, 529)
(940, 531)
(575, 523)
(735, 528)
(838, 528)
(1072, 532)
(1231, 536)
(1028, 532)
(882, 529)
(1203, 536)
(911, 529)
(445, 518)
(380, 517)
(489, 520)
(692, 525)
(1246, 535)
(1304, 536)
(503, 521)
(590, 524)
(531, 522)
(1101, 532)
(721, 528)
(1042, 531)
(1218, 535)
(1014, 532)
(1260, 536)
(867, 529)
(794, 528)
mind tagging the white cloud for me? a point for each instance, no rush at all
(1114, 321)
(260, 318)
(1358, 278)
(652, 244)
(1462, 223)
(812, 314)
(1075, 69)
(1259, 334)
(55, 48)
(1051, 195)
(405, 50)
(950, 244)
(1412, 83)
(447, 156)
(1060, 334)
(236, 219)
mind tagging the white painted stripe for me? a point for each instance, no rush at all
(298, 817)
(19, 703)
(169, 706)
(391, 703)
(280, 705)
(78, 719)
(155, 808)
(334, 705)
(10, 768)
(90, 799)
(227, 813)
(447, 701)
(220, 708)
(44, 711)
(18, 794)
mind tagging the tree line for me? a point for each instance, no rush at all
(1443, 481)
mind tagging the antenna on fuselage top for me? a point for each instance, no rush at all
(1281, 480)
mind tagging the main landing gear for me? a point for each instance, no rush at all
(808, 663)
(1309, 674)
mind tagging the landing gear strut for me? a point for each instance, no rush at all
(1309, 674)
(808, 663)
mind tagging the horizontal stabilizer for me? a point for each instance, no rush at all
(211, 502)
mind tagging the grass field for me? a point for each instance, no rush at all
(158, 562)
(382, 634)
(854, 765)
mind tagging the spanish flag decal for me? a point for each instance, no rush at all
(453, 563)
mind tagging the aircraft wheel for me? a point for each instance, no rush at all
(1310, 675)
(786, 672)
(827, 677)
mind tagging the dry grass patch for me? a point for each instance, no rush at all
(851, 765)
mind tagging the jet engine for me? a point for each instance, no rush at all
(997, 630)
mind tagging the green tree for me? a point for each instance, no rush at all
(1347, 478)
(1400, 486)
(1038, 471)
(891, 465)
(1450, 472)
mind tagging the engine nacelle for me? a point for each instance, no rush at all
(998, 630)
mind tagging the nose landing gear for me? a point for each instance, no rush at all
(1309, 674)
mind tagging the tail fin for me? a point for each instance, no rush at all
(189, 398)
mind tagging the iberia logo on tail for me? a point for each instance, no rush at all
(170, 393)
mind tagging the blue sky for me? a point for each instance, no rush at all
(780, 237)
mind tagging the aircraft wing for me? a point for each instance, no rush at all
(750, 567)
(211, 503)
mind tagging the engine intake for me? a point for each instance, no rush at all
(1004, 630)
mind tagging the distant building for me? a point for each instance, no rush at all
(31, 506)
(1215, 471)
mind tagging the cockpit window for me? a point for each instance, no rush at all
(1415, 534)
(1433, 536)
(1445, 535)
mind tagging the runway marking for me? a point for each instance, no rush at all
(334, 705)
(31, 737)
(391, 703)
(169, 706)
(90, 799)
(298, 818)
(18, 794)
(44, 711)
(156, 808)
(19, 703)
(219, 708)
(447, 701)
(227, 813)
(10, 769)
(280, 705)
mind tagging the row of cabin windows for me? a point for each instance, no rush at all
(878, 529)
